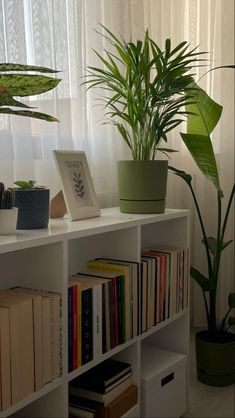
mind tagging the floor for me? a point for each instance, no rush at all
(208, 401)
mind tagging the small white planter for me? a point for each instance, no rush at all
(8, 219)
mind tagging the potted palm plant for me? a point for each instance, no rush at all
(146, 91)
(8, 213)
(215, 346)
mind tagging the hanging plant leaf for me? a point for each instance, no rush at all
(186, 177)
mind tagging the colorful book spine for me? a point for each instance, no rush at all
(87, 326)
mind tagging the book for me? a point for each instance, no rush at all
(112, 317)
(76, 411)
(21, 343)
(70, 327)
(96, 283)
(38, 337)
(134, 279)
(105, 398)
(143, 297)
(51, 332)
(100, 377)
(122, 270)
(115, 409)
(5, 359)
(151, 303)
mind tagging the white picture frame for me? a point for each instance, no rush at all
(78, 189)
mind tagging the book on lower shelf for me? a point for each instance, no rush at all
(29, 342)
(103, 382)
(115, 409)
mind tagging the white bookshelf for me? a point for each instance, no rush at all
(45, 258)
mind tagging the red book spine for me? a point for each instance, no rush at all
(75, 327)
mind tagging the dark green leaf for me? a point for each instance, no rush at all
(231, 300)
(231, 321)
(181, 173)
(28, 113)
(19, 67)
(27, 85)
(203, 281)
(212, 244)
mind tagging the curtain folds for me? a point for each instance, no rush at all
(62, 34)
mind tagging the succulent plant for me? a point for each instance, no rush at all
(6, 197)
(31, 184)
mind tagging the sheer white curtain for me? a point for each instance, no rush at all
(209, 24)
(61, 34)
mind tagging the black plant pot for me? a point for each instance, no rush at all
(215, 358)
(33, 208)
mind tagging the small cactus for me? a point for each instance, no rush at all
(2, 190)
(6, 197)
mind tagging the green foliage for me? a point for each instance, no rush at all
(6, 197)
(31, 184)
(23, 84)
(147, 89)
(203, 116)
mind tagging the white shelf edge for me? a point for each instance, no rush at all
(75, 373)
(111, 219)
(31, 398)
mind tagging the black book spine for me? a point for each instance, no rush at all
(70, 329)
(104, 331)
(87, 337)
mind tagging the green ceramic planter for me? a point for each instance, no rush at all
(142, 186)
(215, 358)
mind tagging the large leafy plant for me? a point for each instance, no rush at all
(146, 89)
(204, 114)
(16, 81)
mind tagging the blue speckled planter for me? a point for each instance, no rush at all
(33, 208)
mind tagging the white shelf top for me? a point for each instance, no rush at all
(63, 229)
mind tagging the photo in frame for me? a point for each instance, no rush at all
(78, 189)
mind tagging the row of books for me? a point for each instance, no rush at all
(113, 301)
(105, 391)
(30, 340)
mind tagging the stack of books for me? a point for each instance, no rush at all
(115, 300)
(106, 391)
(30, 342)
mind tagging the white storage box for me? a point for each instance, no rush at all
(163, 383)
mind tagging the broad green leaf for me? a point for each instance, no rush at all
(203, 281)
(7, 100)
(200, 148)
(28, 113)
(205, 113)
(26, 85)
(19, 67)
(231, 300)
(212, 244)
(186, 177)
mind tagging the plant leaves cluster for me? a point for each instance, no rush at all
(15, 80)
(203, 116)
(146, 88)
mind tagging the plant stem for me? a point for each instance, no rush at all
(224, 320)
(216, 264)
(209, 264)
(227, 213)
